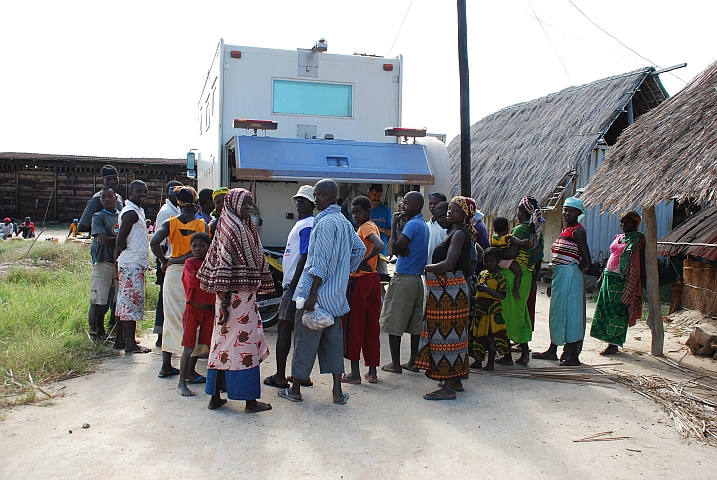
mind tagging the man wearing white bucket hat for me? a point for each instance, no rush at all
(297, 247)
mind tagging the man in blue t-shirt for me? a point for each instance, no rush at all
(402, 310)
(381, 216)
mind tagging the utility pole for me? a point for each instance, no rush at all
(465, 103)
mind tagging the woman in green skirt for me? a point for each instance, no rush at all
(619, 302)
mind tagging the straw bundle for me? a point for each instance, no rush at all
(581, 375)
(692, 415)
(531, 148)
(671, 152)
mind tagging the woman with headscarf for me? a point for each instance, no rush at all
(571, 257)
(218, 196)
(619, 301)
(515, 310)
(443, 345)
(236, 270)
(178, 231)
(532, 216)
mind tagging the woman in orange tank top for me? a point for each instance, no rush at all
(178, 231)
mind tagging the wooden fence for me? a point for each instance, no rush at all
(63, 191)
(700, 286)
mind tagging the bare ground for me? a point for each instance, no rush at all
(141, 428)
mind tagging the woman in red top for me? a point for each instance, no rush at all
(571, 257)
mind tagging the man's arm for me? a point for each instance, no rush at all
(376, 248)
(398, 243)
(94, 205)
(158, 237)
(128, 219)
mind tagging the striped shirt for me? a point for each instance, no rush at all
(565, 248)
(334, 252)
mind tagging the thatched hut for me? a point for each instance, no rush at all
(696, 240)
(549, 148)
(671, 152)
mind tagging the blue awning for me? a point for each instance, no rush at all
(297, 159)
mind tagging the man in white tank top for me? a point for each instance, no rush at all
(131, 255)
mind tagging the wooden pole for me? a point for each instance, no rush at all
(654, 319)
(464, 100)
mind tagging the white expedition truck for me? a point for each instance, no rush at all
(272, 120)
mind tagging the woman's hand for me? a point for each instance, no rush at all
(223, 314)
(481, 287)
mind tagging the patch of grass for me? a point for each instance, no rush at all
(43, 307)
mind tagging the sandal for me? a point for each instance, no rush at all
(269, 381)
(351, 381)
(303, 383)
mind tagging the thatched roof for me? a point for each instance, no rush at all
(669, 153)
(531, 148)
(701, 228)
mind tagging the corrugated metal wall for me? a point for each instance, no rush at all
(602, 229)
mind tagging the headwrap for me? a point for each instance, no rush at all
(536, 214)
(219, 191)
(235, 260)
(468, 205)
(75, 220)
(174, 189)
(634, 216)
(109, 171)
(192, 192)
(577, 204)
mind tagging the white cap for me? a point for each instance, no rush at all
(306, 191)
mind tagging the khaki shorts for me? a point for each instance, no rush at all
(104, 276)
(402, 310)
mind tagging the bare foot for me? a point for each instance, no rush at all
(391, 369)
(570, 363)
(184, 391)
(215, 402)
(371, 377)
(505, 360)
(136, 349)
(411, 367)
(610, 350)
(516, 295)
(477, 364)
(252, 406)
(489, 367)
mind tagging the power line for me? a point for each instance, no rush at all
(551, 43)
(618, 40)
(399, 29)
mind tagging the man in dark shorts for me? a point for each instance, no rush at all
(297, 247)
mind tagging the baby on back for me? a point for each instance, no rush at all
(502, 240)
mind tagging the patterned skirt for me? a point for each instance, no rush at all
(611, 317)
(443, 346)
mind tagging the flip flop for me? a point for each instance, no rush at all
(303, 383)
(350, 380)
(345, 399)
(434, 396)
(544, 356)
(285, 394)
(138, 349)
(460, 390)
(199, 379)
(368, 379)
(175, 371)
(269, 381)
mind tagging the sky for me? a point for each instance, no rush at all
(123, 79)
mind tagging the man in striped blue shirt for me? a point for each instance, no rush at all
(335, 251)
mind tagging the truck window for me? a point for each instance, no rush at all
(312, 98)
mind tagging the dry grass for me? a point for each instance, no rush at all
(669, 153)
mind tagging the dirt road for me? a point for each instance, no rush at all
(141, 428)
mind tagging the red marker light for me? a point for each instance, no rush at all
(236, 54)
(388, 67)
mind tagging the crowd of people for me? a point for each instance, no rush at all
(462, 296)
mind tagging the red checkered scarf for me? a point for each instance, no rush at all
(235, 261)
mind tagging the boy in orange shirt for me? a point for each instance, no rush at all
(360, 326)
